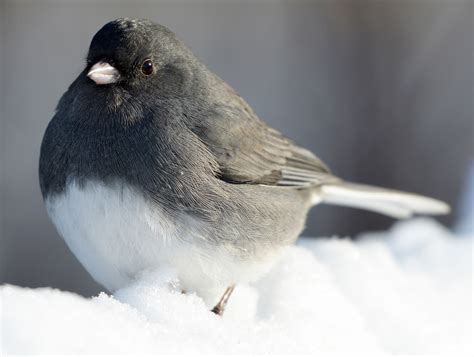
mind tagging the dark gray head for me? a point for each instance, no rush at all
(131, 52)
(135, 63)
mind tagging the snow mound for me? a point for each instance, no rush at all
(408, 290)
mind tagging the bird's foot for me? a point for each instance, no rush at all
(220, 307)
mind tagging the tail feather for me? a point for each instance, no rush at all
(392, 203)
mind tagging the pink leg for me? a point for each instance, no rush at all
(220, 307)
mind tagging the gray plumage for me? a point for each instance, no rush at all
(190, 145)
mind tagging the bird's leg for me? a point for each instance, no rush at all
(220, 307)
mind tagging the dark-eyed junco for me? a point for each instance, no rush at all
(152, 161)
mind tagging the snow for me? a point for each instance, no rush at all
(407, 290)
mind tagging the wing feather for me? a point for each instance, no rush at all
(248, 151)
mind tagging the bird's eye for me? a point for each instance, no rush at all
(147, 67)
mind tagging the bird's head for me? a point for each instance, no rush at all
(138, 55)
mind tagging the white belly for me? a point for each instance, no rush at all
(116, 234)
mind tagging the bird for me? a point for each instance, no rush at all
(151, 161)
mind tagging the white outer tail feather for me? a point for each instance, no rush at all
(392, 203)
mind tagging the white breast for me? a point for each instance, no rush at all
(116, 234)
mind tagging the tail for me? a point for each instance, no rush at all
(392, 203)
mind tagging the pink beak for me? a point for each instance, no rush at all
(103, 73)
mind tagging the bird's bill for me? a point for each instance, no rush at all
(103, 73)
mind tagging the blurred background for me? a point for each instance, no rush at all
(382, 91)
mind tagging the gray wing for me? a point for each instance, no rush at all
(248, 151)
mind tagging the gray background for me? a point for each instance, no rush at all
(381, 90)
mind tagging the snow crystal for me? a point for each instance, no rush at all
(408, 290)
